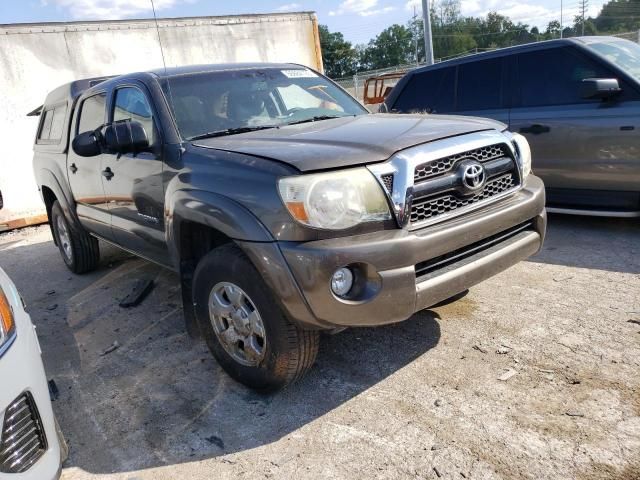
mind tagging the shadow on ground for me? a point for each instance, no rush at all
(576, 241)
(160, 398)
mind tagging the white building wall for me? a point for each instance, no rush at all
(34, 59)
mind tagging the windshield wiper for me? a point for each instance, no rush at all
(318, 118)
(231, 131)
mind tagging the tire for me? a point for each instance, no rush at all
(284, 352)
(79, 250)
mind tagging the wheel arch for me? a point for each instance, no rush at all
(198, 222)
(51, 190)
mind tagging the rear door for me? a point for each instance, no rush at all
(430, 91)
(576, 143)
(482, 90)
(85, 173)
(134, 188)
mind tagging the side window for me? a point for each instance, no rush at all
(554, 76)
(57, 124)
(52, 125)
(480, 85)
(430, 91)
(46, 125)
(131, 104)
(92, 113)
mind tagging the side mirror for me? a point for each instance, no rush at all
(600, 88)
(86, 144)
(126, 136)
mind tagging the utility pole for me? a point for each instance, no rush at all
(428, 43)
(583, 6)
(561, 26)
(415, 34)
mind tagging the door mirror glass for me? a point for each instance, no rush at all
(86, 144)
(600, 87)
(126, 136)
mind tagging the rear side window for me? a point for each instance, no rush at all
(554, 76)
(431, 91)
(92, 113)
(479, 85)
(52, 124)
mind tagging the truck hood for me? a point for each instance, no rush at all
(347, 141)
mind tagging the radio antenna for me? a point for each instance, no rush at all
(164, 63)
(155, 18)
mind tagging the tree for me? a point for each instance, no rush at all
(553, 29)
(618, 16)
(393, 46)
(339, 57)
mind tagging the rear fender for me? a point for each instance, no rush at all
(46, 178)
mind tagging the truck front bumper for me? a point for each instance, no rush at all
(401, 271)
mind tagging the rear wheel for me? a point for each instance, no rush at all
(79, 250)
(243, 326)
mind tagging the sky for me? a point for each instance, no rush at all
(358, 20)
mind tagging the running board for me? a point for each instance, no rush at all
(593, 213)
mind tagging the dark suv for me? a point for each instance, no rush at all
(285, 207)
(577, 101)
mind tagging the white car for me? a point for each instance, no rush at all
(31, 445)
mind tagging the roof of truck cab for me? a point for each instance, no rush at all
(218, 67)
(514, 49)
(72, 90)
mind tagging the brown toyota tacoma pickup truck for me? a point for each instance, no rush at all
(284, 206)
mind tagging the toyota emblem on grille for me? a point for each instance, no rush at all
(473, 175)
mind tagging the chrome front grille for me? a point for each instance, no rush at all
(431, 207)
(443, 165)
(435, 181)
(23, 440)
(437, 184)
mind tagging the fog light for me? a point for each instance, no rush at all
(341, 281)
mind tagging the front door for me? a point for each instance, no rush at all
(86, 173)
(584, 149)
(134, 189)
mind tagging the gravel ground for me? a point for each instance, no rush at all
(533, 374)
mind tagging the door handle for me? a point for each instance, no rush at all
(107, 173)
(535, 129)
(73, 168)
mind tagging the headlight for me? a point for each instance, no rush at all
(334, 200)
(7, 323)
(524, 154)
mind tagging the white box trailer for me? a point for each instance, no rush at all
(36, 58)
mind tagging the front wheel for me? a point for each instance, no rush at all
(243, 326)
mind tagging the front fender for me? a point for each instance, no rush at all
(215, 211)
(246, 230)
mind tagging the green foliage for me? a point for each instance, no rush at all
(619, 16)
(395, 45)
(339, 57)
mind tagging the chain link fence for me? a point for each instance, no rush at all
(355, 84)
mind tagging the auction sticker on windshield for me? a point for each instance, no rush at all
(299, 73)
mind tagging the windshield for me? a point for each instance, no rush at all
(225, 102)
(623, 53)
